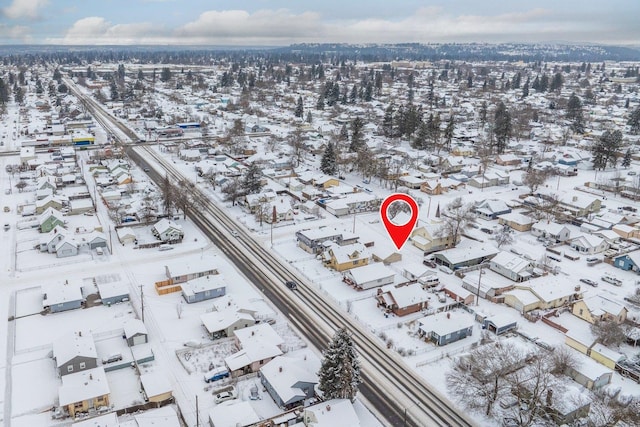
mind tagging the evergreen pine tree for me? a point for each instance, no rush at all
(339, 375)
(448, 132)
(299, 108)
(357, 139)
(344, 133)
(387, 121)
(634, 121)
(502, 127)
(626, 161)
(320, 102)
(251, 183)
(544, 83)
(525, 89)
(329, 162)
(574, 114)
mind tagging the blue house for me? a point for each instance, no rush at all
(630, 261)
(500, 324)
(62, 297)
(447, 327)
(491, 209)
(203, 288)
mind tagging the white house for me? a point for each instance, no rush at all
(167, 230)
(589, 244)
(511, 266)
(369, 276)
(551, 230)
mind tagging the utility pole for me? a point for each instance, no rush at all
(142, 302)
(197, 413)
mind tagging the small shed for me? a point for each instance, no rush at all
(203, 288)
(156, 387)
(135, 332)
(589, 373)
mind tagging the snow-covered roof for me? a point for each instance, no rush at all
(82, 386)
(61, 293)
(133, 327)
(525, 296)
(333, 413)
(253, 352)
(106, 420)
(370, 272)
(235, 414)
(72, 345)
(407, 295)
(165, 225)
(155, 383)
(599, 305)
(218, 320)
(511, 262)
(283, 373)
(203, 284)
(112, 289)
(446, 322)
(160, 417)
(261, 332)
(517, 218)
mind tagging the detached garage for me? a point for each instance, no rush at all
(135, 332)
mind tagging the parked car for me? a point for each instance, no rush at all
(234, 233)
(165, 247)
(592, 259)
(291, 285)
(486, 230)
(445, 269)
(216, 374)
(116, 357)
(589, 282)
(613, 280)
(7, 226)
(224, 396)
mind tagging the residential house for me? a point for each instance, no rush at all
(221, 324)
(589, 244)
(432, 187)
(289, 381)
(628, 261)
(189, 269)
(54, 202)
(83, 391)
(551, 231)
(429, 237)
(237, 414)
(203, 288)
(52, 238)
(490, 209)
(403, 299)
(385, 253)
(341, 258)
(411, 181)
(627, 231)
(352, 203)
(331, 413)
(135, 332)
(369, 276)
(516, 221)
(259, 344)
(465, 256)
(508, 159)
(62, 297)
(167, 231)
(453, 164)
(511, 266)
(575, 205)
(155, 387)
(49, 219)
(313, 240)
(490, 178)
(446, 327)
(74, 352)
(599, 308)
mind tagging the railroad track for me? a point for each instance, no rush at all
(392, 390)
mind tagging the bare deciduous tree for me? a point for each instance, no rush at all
(608, 332)
(457, 216)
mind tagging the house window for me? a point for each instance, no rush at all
(70, 368)
(355, 262)
(581, 310)
(83, 365)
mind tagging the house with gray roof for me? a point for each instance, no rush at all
(289, 381)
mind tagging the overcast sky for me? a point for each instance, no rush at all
(282, 22)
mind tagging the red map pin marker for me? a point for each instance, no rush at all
(399, 233)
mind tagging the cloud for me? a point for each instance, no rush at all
(24, 9)
(282, 27)
(97, 30)
(15, 32)
(262, 27)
